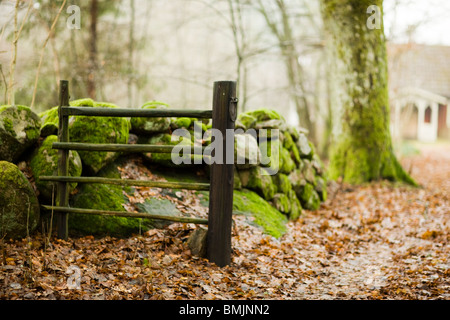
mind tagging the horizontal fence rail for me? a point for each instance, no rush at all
(127, 214)
(121, 112)
(129, 182)
(131, 148)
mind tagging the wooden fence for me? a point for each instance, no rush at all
(220, 188)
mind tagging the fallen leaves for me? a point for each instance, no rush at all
(376, 241)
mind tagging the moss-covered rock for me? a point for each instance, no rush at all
(287, 164)
(304, 147)
(44, 162)
(246, 151)
(271, 154)
(321, 188)
(165, 159)
(182, 122)
(267, 217)
(296, 207)
(146, 125)
(282, 182)
(104, 197)
(309, 198)
(19, 130)
(98, 130)
(245, 121)
(297, 180)
(19, 206)
(50, 122)
(258, 180)
(281, 203)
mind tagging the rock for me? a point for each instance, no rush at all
(98, 130)
(246, 151)
(44, 162)
(321, 188)
(281, 203)
(50, 122)
(295, 154)
(182, 123)
(287, 164)
(165, 159)
(197, 242)
(303, 146)
(104, 197)
(19, 130)
(147, 125)
(294, 133)
(297, 180)
(50, 118)
(308, 172)
(237, 184)
(296, 207)
(262, 115)
(19, 206)
(288, 142)
(261, 182)
(245, 121)
(282, 182)
(309, 198)
(271, 154)
(264, 215)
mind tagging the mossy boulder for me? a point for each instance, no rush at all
(304, 147)
(19, 206)
(246, 151)
(104, 197)
(19, 130)
(309, 198)
(282, 182)
(50, 122)
(150, 126)
(281, 203)
(44, 162)
(296, 206)
(271, 154)
(98, 130)
(263, 214)
(165, 159)
(259, 180)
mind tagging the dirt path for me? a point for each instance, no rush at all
(371, 242)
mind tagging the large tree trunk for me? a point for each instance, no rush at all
(361, 149)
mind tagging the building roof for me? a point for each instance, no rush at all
(419, 66)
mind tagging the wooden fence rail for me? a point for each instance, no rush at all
(220, 188)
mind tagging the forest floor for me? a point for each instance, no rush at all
(376, 241)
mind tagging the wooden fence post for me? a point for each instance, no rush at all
(222, 176)
(62, 194)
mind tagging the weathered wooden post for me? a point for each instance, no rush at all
(62, 194)
(222, 176)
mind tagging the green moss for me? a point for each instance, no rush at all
(183, 122)
(8, 124)
(50, 122)
(309, 198)
(296, 207)
(281, 203)
(44, 162)
(282, 182)
(19, 130)
(286, 162)
(85, 102)
(261, 182)
(267, 217)
(19, 206)
(99, 130)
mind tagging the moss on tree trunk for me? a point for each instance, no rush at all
(362, 148)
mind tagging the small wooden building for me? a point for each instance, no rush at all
(419, 85)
